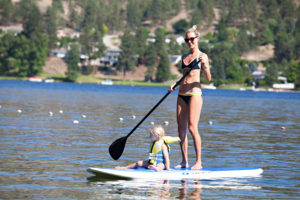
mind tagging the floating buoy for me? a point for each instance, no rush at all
(75, 122)
(166, 123)
(121, 119)
(133, 116)
(152, 123)
(83, 116)
(61, 111)
(19, 111)
(210, 122)
(50, 114)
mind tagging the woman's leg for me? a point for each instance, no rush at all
(182, 118)
(195, 107)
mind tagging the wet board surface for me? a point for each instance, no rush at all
(177, 174)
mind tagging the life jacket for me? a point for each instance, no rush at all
(155, 151)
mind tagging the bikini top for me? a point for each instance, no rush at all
(184, 66)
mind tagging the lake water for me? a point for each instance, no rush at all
(46, 157)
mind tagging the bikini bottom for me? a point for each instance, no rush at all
(186, 99)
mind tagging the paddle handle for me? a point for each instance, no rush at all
(162, 99)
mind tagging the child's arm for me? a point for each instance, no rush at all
(166, 156)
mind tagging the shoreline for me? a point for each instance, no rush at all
(98, 81)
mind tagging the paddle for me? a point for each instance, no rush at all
(117, 147)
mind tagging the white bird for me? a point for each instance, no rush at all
(75, 122)
(152, 123)
(133, 116)
(61, 111)
(50, 114)
(19, 111)
(83, 116)
(166, 123)
(283, 128)
(121, 119)
(210, 122)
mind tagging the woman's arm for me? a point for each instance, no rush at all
(205, 67)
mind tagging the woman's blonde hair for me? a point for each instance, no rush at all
(158, 130)
(193, 30)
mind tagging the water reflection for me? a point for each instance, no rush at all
(165, 189)
(195, 194)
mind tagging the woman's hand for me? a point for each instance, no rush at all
(204, 62)
(171, 87)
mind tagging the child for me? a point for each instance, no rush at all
(159, 151)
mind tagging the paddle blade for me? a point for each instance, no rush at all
(117, 147)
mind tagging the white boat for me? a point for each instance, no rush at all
(210, 86)
(177, 174)
(107, 82)
(35, 79)
(49, 80)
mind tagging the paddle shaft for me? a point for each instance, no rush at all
(162, 99)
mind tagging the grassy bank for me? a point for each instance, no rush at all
(89, 79)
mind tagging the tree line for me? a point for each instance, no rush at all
(243, 25)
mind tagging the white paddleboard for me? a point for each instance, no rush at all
(177, 174)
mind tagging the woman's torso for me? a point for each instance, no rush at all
(191, 83)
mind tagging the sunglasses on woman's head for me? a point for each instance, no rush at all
(189, 39)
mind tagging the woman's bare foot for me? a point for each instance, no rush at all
(197, 166)
(182, 165)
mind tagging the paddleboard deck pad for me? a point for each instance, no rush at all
(177, 174)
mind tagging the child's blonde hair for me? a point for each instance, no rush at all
(158, 130)
(193, 30)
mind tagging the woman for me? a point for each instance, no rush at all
(189, 101)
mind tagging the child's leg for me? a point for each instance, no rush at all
(158, 167)
(134, 165)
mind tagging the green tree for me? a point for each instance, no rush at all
(292, 71)
(74, 18)
(72, 60)
(284, 46)
(33, 24)
(51, 27)
(222, 34)
(134, 14)
(141, 42)
(271, 74)
(242, 43)
(160, 41)
(181, 26)
(219, 61)
(7, 11)
(127, 58)
(163, 70)
(150, 61)
(22, 56)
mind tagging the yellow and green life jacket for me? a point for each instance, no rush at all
(155, 152)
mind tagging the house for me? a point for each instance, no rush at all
(259, 73)
(67, 32)
(60, 53)
(110, 57)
